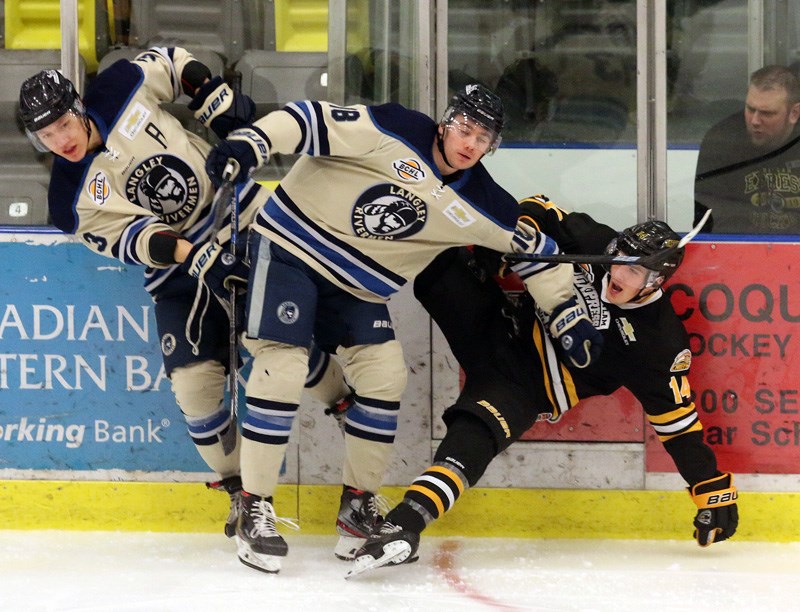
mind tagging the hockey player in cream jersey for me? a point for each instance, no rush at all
(378, 192)
(130, 183)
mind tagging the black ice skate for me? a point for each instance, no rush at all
(260, 545)
(358, 516)
(388, 545)
(232, 485)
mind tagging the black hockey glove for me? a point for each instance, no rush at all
(717, 516)
(580, 341)
(216, 106)
(248, 146)
(217, 269)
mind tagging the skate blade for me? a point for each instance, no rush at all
(263, 563)
(347, 546)
(394, 553)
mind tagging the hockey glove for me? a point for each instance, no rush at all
(216, 106)
(717, 516)
(580, 341)
(217, 269)
(248, 146)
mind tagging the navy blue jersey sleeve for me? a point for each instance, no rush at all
(108, 95)
(409, 126)
(65, 182)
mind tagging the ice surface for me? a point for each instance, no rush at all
(57, 570)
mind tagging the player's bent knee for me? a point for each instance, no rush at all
(278, 371)
(376, 370)
(199, 388)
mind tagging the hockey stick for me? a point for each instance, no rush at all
(224, 197)
(619, 260)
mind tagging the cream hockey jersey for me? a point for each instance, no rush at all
(150, 175)
(366, 206)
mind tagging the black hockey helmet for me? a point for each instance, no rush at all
(649, 238)
(482, 106)
(45, 97)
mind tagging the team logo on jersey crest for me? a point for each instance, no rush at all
(164, 185)
(388, 212)
(682, 362)
(98, 189)
(409, 170)
(133, 121)
(288, 313)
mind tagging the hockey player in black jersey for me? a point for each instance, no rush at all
(516, 375)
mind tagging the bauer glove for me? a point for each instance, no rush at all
(216, 106)
(571, 327)
(216, 268)
(248, 146)
(717, 516)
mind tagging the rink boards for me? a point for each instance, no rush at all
(87, 419)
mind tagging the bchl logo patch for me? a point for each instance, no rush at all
(288, 313)
(682, 362)
(98, 189)
(164, 185)
(388, 212)
(409, 170)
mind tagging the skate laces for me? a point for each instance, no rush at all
(371, 504)
(387, 528)
(383, 504)
(265, 519)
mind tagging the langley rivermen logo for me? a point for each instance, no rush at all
(165, 185)
(388, 212)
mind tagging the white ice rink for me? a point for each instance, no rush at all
(99, 571)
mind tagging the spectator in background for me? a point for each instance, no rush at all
(747, 170)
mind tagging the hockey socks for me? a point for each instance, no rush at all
(430, 495)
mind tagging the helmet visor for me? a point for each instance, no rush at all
(466, 127)
(43, 137)
(637, 277)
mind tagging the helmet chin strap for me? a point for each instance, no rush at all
(440, 146)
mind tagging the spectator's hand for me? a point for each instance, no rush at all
(216, 268)
(248, 146)
(580, 341)
(216, 106)
(717, 516)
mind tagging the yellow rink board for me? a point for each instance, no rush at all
(517, 513)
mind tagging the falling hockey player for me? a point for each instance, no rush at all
(516, 374)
